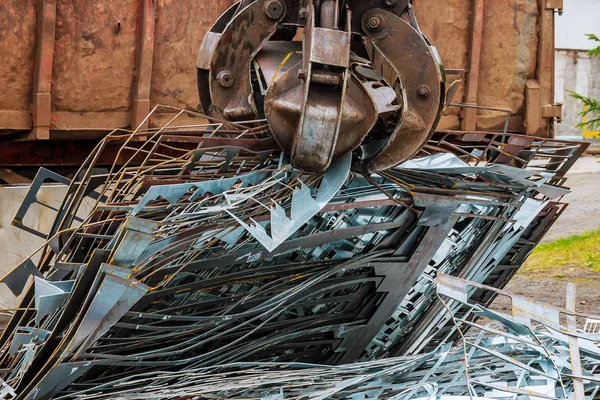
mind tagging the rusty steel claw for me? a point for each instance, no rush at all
(418, 72)
(318, 111)
(231, 54)
(321, 105)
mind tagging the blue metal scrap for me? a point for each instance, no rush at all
(210, 268)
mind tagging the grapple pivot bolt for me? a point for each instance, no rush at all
(274, 9)
(225, 79)
(423, 92)
(375, 23)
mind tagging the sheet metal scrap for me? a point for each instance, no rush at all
(508, 357)
(206, 249)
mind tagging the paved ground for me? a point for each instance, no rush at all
(583, 213)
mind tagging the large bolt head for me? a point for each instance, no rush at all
(225, 79)
(375, 23)
(423, 92)
(274, 9)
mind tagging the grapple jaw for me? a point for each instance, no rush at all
(362, 79)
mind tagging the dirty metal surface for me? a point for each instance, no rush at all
(91, 55)
(368, 78)
(93, 72)
(17, 244)
(421, 78)
(508, 58)
(17, 50)
(208, 255)
(180, 28)
(86, 38)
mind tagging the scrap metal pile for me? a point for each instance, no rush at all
(505, 358)
(206, 249)
(297, 256)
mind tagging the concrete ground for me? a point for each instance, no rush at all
(583, 213)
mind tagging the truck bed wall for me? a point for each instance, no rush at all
(78, 69)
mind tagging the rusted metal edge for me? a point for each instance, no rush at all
(141, 95)
(540, 91)
(469, 122)
(42, 80)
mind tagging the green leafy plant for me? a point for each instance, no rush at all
(591, 110)
(596, 51)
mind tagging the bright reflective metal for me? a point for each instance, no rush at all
(210, 268)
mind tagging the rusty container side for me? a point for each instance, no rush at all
(17, 53)
(508, 59)
(508, 55)
(76, 69)
(447, 27)
(180, 28)
(88, 67)
(94, 63)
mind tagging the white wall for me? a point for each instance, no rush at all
(577, 72)
(579, 17)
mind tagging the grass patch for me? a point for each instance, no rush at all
(578, 254)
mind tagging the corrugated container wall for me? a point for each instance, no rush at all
(78, 69)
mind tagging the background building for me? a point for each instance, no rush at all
(575, 70)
